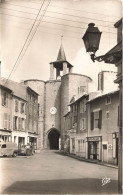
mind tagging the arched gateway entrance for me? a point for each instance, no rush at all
(53, 138)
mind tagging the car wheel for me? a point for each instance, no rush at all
(14, 154)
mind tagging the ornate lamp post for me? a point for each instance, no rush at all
(91, 40)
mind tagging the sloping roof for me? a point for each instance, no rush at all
(118, 23)
(19, 90)
(5, 88)
(83, 96)
(103, 95)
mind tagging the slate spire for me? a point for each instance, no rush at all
(61, 54)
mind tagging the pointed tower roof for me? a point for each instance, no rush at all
(61, 54)
(60, 59)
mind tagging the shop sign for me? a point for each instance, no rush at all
(93, 139)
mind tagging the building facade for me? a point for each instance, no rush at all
(5, 113)
(103, 124)
(18, 114)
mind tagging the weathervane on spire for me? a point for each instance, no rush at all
(61, 38)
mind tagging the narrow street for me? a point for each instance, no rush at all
(51, 173)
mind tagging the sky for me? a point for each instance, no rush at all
(67, 18)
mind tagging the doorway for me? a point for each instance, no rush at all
(53, 138)
(93, 150)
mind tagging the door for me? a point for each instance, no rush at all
(93, 150)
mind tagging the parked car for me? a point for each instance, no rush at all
(8, 149)
(26, 150)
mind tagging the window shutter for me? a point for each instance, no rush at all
(14, 122)
(2, 98)
(5, 120)
(100, 119)
(92, 120)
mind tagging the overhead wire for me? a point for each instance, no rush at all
(63, 13)
(35, 30)
(26, 41)
(73, 9)
(66, 30)
(57, 17)
(50, 22)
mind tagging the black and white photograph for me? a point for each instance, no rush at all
(61, 97)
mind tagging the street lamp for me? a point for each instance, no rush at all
(91, 40)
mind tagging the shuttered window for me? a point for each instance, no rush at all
(92, 120)
(16, 105)
(96, 120)
(4, 98)
(15, 121)
(19, 123)
(5, 121)
(22, 108)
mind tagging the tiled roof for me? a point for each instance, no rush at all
(18, 89)
(103, 95)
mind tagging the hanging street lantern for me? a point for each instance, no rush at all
(91, 40)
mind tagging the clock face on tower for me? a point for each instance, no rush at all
(53, 110)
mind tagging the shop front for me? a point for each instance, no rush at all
(94, 148)
(32, 141)
(5, 136)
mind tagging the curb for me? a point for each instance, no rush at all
(88, 161)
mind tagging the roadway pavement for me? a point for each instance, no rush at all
(51, 173)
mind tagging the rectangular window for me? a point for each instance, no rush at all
(82, 89)
(22, 107)
(5, 121)
(108, 100)
(83, 106)
(16, 105)
(30, 125)
(23, 124)
(15, 121)
(96, 119)
(19, 123)
(83, 124)
(4, 98)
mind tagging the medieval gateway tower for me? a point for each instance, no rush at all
(54, 97)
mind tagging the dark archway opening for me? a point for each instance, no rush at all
(53, 137)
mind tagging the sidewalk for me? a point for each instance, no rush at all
(86, 160)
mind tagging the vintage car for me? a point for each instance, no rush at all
(8, 149)
(26, 150)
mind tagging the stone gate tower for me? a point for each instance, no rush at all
(54, 97)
